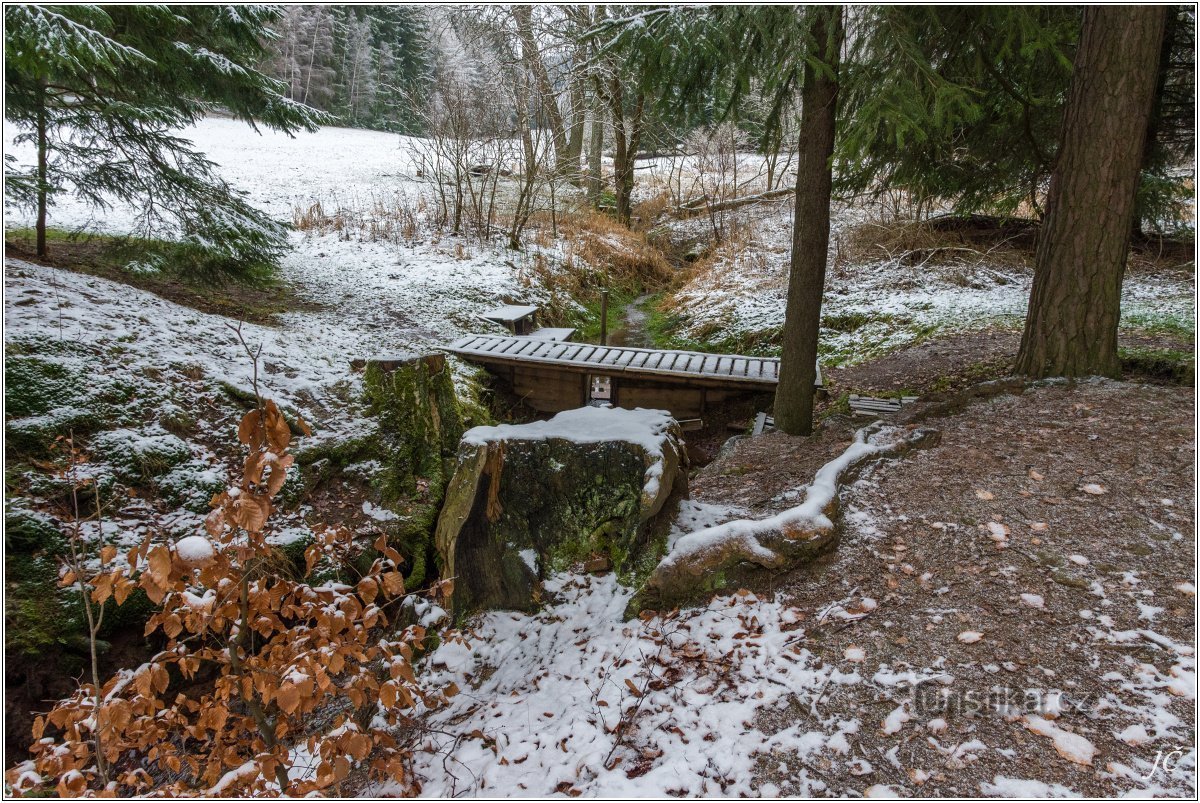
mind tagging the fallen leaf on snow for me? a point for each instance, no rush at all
(1070, 746)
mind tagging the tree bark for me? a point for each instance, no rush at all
(575, 132)
(43, 169)
(595, 179)
(810, 235)
(547, 99)
(1075, 304)
(627, 133)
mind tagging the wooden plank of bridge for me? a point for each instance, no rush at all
(674, 366)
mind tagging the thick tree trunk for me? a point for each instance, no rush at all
(43, 169)
(575, 133)
(1075, 304)
(595, 182)
(810, 236)
(547, 99)
(627, 133)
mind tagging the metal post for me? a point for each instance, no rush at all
(603, 317)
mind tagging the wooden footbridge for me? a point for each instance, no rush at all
(555, 375)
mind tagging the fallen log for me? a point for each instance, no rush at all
(697, 205)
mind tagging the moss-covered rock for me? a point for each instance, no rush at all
(529, 500)
(28, 532)
(49, 396)
(192, 485)
(40, 620)
(140, 456)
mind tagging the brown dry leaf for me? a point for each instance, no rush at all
(393, 583)
(303, 426)
(450, 690)
(278, 477)
(288, 697)
(246, 430)
(107, 553)
(249, 514)
(279, 435)
(1036, 475)
(632, 687)
(154, 592)
(214, 523)
(160, 677)
(160, 565)
(122, 589)
(367, 589)
(253, 467)
(103, 588)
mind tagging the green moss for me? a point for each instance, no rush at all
(339, 452)
(293, 552)
(53, 394)
(61, 490)
(39, 618)
(420, 425)
(192, 485)
(411, 536)
(140, 457)
(1161, 364)
(28, 532)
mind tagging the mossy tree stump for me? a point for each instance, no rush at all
(529, 500)
(420, 424)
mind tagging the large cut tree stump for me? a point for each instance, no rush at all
(420, 424)
(529, 500)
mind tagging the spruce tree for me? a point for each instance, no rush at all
(103, 93)
(1075, 304)
(810, 230)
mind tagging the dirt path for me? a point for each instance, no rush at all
(1057, 525)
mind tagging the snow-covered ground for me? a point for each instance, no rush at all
(883, 303)
(377, 297)
(581, 701)
(577, 700)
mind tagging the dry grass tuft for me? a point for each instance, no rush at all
(393, 219)
(938, 243)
